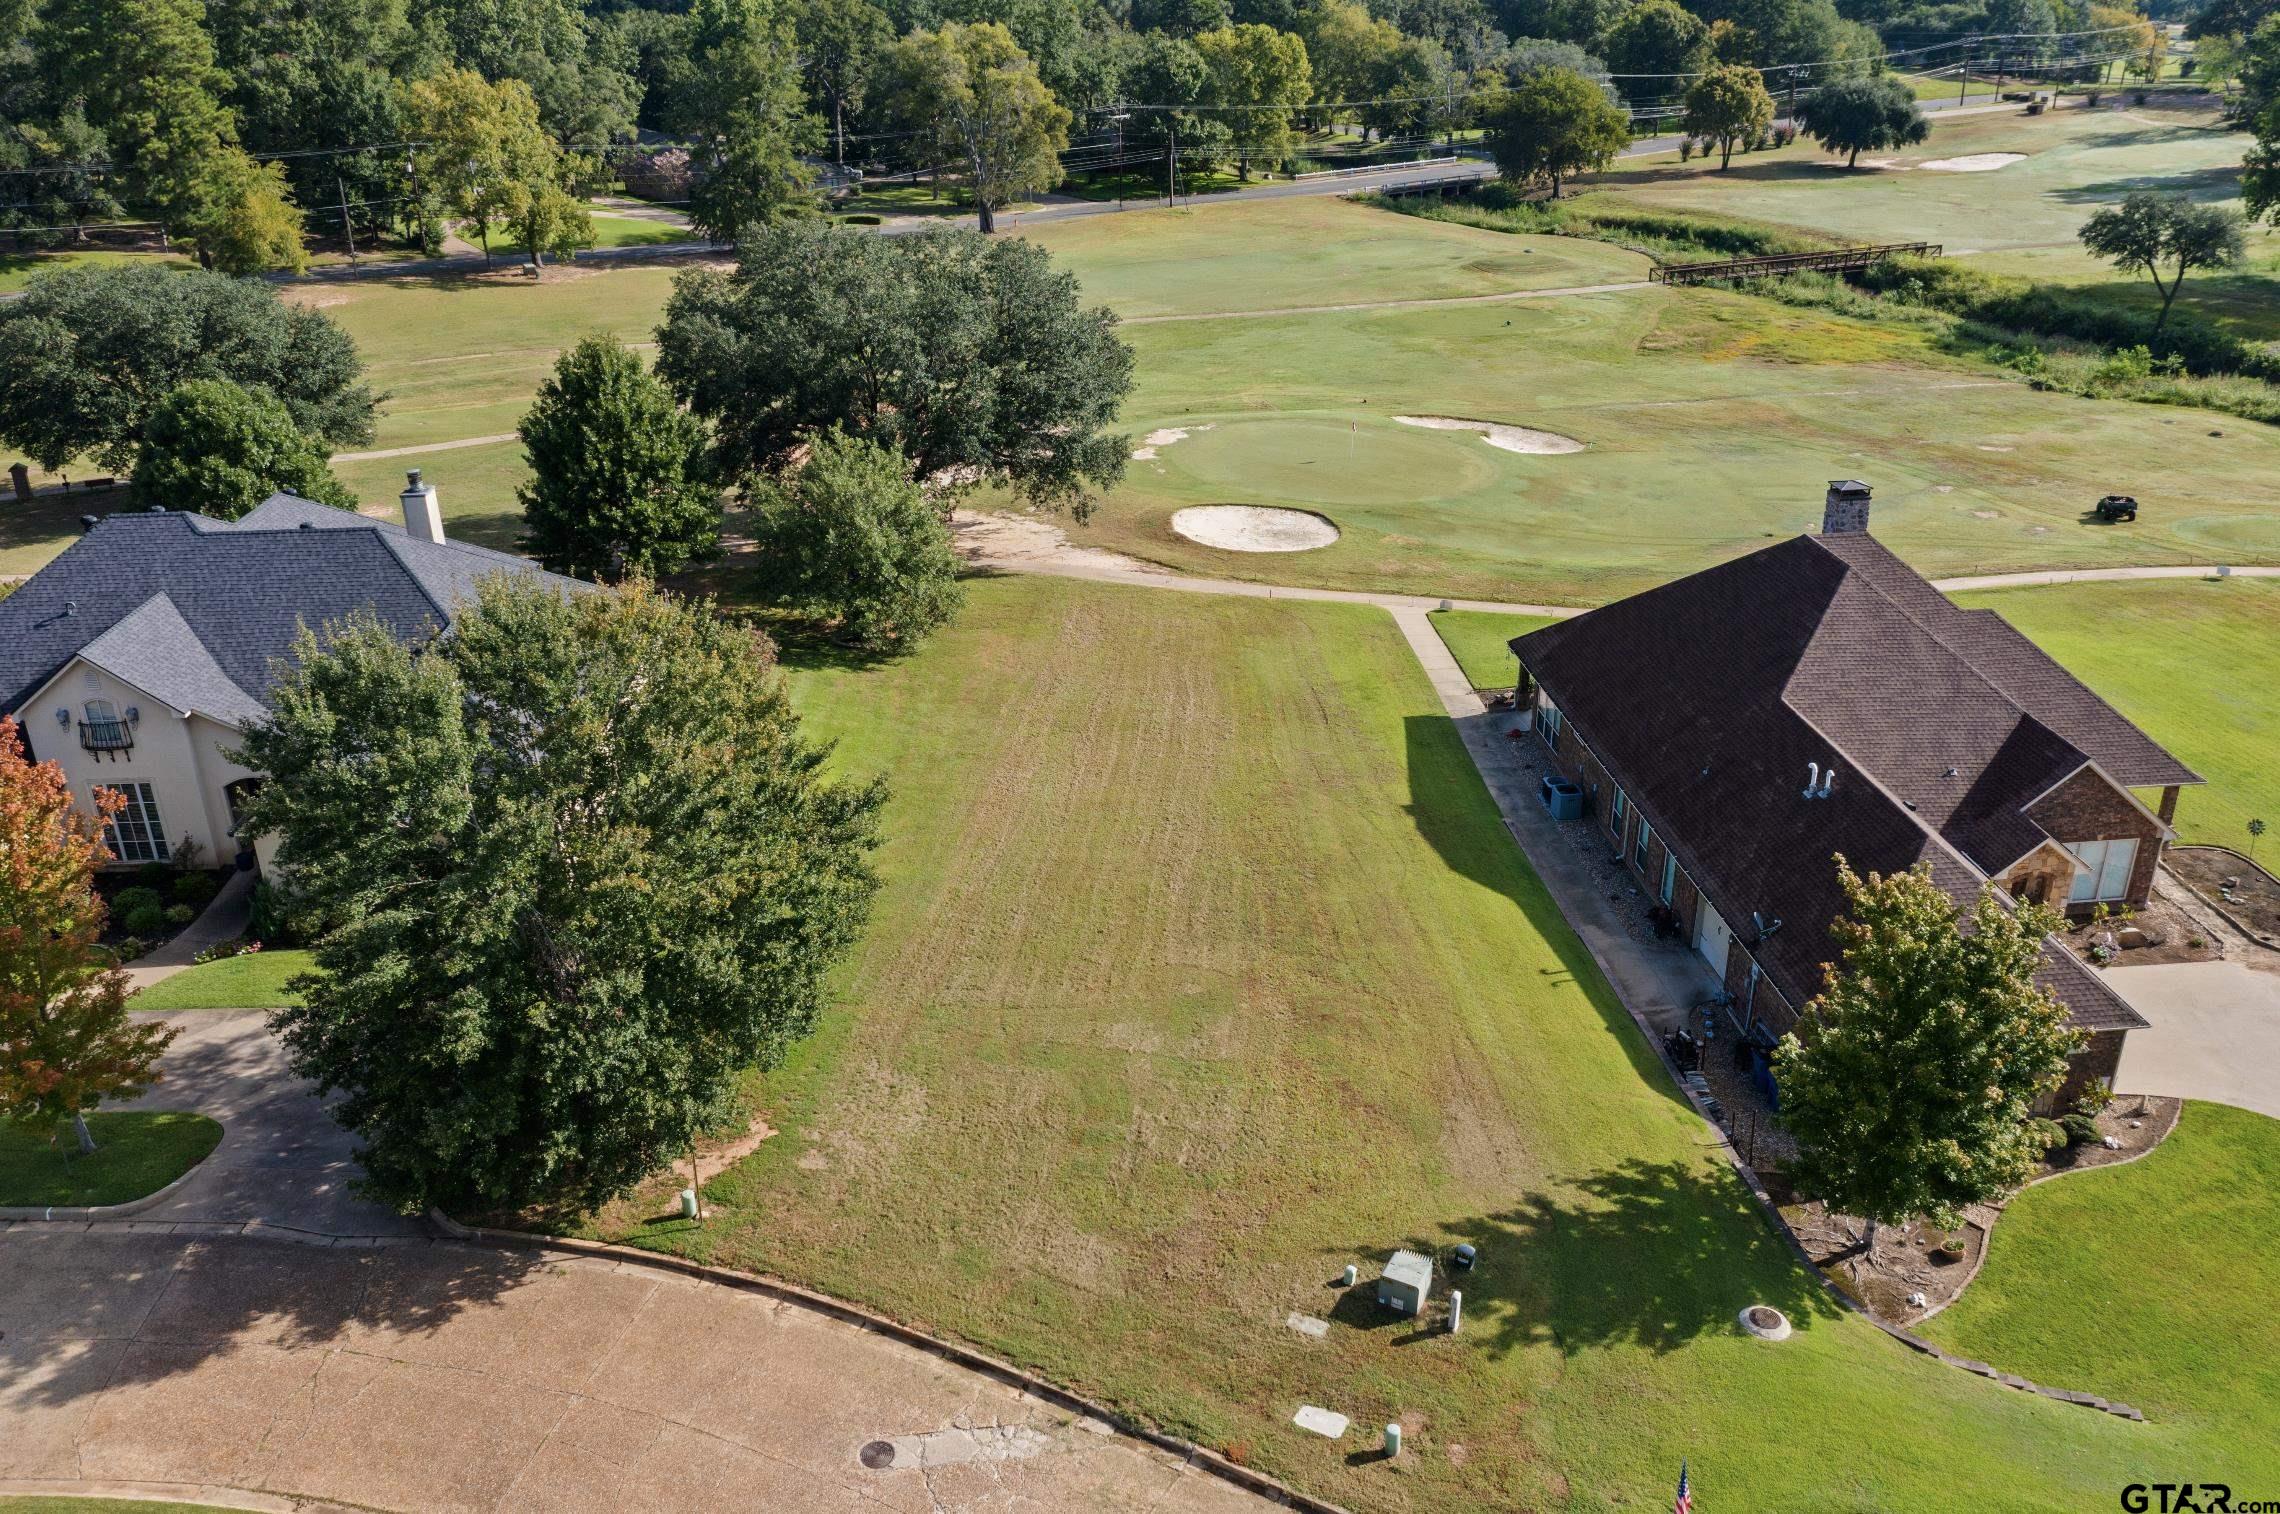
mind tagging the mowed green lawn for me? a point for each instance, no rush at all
(1481, 642)
(255, 980)
(2127, 1282)
(137, 1152)
(1711, 423)
(2195, 662)
(2020, 219)
(1205, 967)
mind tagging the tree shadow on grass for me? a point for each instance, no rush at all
(1646, 1255)
(2218, 183)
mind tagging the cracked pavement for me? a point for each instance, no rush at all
(433, 1376)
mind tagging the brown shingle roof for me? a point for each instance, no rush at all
(1707, 697)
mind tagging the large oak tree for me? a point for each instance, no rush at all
(571, 870)
(969, 355)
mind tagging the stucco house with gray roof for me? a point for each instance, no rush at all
(136, 657)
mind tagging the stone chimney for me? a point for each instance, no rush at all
(1846, 511)
(423, 517)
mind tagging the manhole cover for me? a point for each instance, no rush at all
(878, 1455)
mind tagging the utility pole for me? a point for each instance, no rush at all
(1172, 163)
(346, 229)
(1963, 80)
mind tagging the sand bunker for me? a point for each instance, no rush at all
(1254, 528)
(1976, 162)
(1146, 451)
(1509, 438)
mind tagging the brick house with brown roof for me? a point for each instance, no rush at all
(1734, 730)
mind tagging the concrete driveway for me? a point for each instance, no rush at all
(282, 1160)
(432, 1376)
(2215, 1033)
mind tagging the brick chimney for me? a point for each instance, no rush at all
(1847, 508)
(423, 517)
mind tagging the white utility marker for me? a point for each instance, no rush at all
(1327, 1423)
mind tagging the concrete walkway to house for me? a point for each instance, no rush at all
(223, 919)
(2215, 1032)
(433, 1376)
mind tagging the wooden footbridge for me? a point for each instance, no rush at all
(1832, 260)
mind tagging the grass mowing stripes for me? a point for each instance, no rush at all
(1203, 967)
(137, 1152)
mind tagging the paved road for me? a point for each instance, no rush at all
(436, 1377)
(2215, 1033)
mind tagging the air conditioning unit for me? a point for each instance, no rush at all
(1562, 800)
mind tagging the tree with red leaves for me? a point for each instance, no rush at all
(66, 1043)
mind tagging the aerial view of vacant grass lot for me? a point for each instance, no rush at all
(1204, 968)
(1205, 964)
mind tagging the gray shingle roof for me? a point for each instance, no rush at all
(239, 590)
(154, 649)
(1707, 697)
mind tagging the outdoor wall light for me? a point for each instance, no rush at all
(63, 717)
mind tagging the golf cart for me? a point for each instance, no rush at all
(2117, 507)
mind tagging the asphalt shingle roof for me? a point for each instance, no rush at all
(180, 604)
(1707, 698)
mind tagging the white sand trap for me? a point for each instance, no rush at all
(1974, 162)
(1146, 451)
(1254, 528)
(1510, 438)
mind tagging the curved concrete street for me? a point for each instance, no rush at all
(263, 1331)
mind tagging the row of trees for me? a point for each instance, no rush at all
(242, 125)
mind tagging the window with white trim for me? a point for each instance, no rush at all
(1616, 814)
(1646, 840)
(1670, 875)
(2102, 870)
(134, 833)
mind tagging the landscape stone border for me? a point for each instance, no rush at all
(1272, 1489)
(2231, 919)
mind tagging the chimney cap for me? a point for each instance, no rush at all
(1847, 486)
(411, 479)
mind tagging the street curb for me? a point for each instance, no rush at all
(132, 1207)
(1211, 1462)
(217, 1495)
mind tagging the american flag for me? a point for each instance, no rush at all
(1685, 1503)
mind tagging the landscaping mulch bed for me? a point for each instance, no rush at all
(2245, 890)
(165, 881)
(1923, 1262)
(2159, 932)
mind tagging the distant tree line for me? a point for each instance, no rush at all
(245, 127)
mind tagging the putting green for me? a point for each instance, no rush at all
(1323, 460)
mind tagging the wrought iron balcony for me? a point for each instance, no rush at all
(106, 735)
